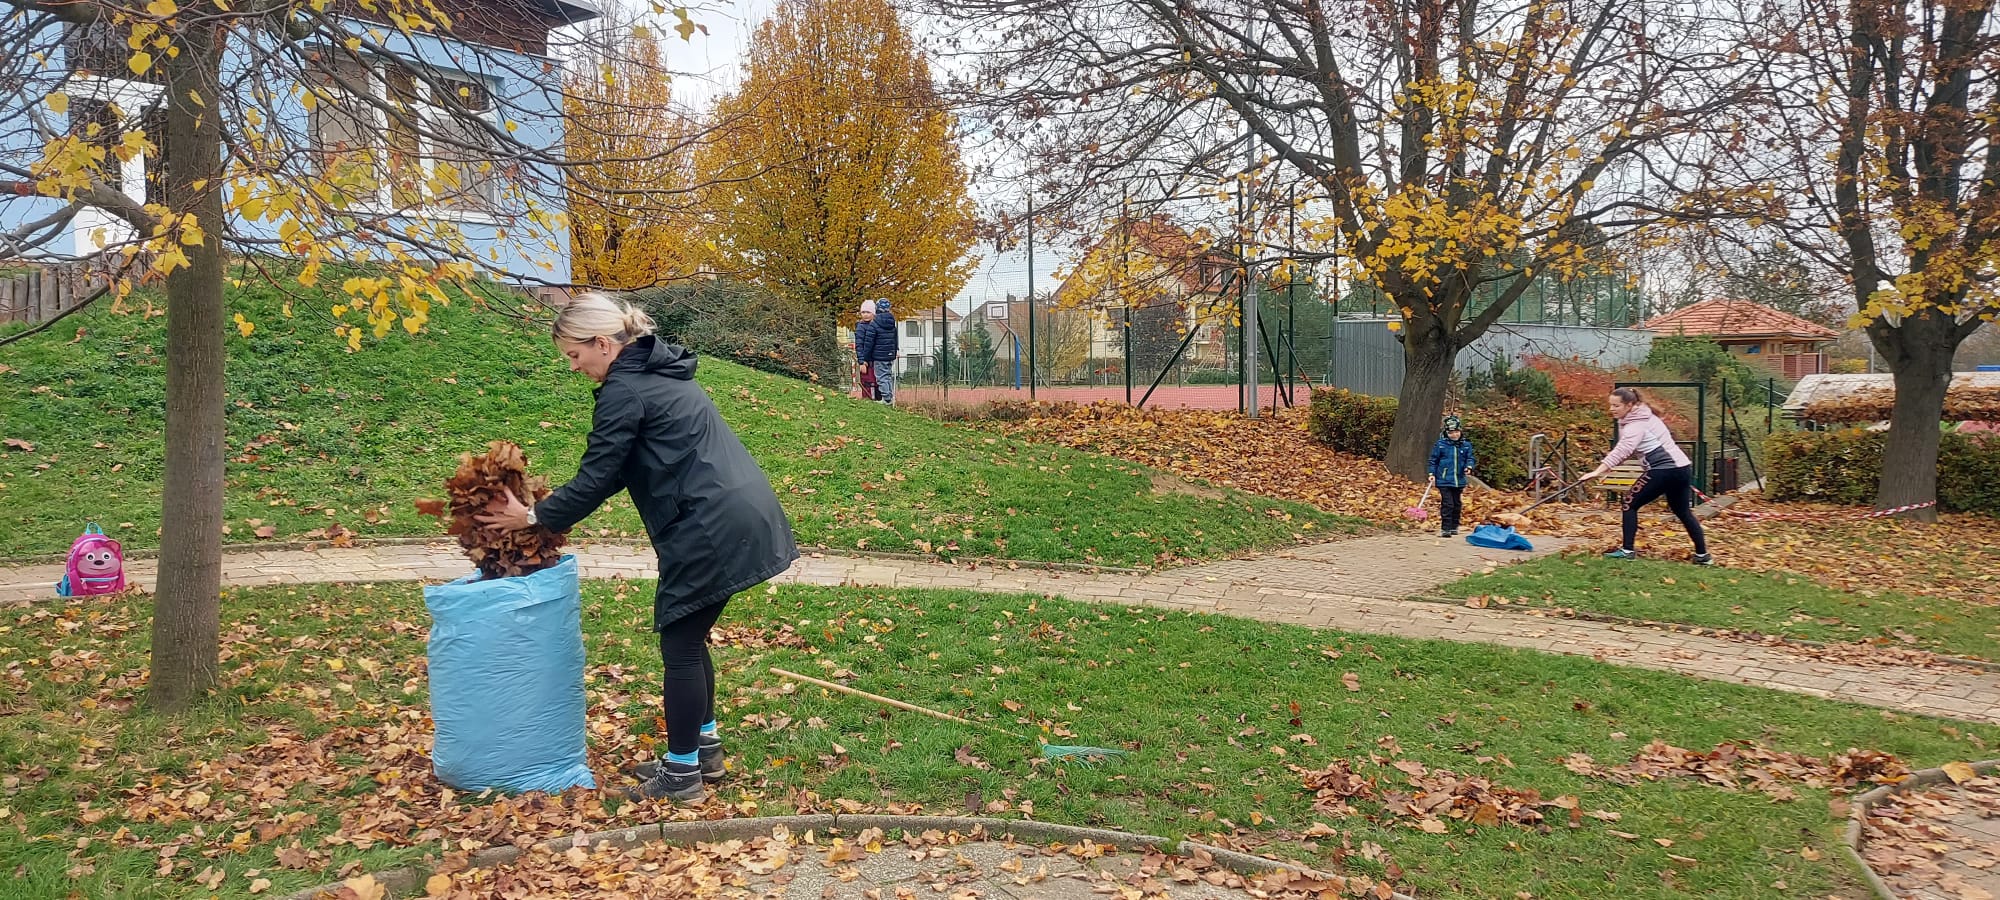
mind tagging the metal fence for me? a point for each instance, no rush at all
(1364, 356)
(1193, 357)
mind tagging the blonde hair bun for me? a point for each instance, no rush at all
(594, 315)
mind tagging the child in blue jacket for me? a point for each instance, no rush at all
(1452, 460)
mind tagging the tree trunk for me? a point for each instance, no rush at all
(1427, 362)
(1919, 353)
(186, 607)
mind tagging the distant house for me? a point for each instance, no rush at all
(1790, 346)
(494, 62)
(1170, 266)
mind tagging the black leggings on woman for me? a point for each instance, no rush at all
(690, 679)
(1677, 485)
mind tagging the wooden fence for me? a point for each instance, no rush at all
(42, 292)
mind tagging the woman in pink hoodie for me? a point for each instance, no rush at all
(1667, 472)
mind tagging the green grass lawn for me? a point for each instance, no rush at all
(1769, 603)
(1215, 712)
(320, 435)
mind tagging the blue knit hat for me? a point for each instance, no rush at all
(882, 305)
(1451, 424)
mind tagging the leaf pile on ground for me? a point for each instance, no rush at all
(1938, 841)
(1271, 455)
(1429, 796)
(483, 484)
(1743, 765)
(1962, 403)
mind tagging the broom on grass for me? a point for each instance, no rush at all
(1057, 752)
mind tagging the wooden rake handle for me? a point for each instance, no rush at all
(886, 701)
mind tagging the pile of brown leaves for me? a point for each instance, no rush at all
(1962, 403)
(1933, 842)
(1741, 765)
(481, 485)
(1434, 795)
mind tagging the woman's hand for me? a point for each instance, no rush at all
(512, 517)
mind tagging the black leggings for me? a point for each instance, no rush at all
(1677, 485)
(690, 677)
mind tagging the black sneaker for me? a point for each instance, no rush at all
(1448, 532)
(712, 766)
(1704, 559)
(679, 781)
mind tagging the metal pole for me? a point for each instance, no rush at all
(1031, 298)
(1292, 297)
(1253, 325)
(1770, 394)
(1124, 261)
(944, 350)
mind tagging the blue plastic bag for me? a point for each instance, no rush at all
(1498, 537)
(506, 672)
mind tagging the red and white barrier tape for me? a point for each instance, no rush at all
(1816, 517)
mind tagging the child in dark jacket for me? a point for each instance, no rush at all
(1451, 465)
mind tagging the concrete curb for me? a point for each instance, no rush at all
(408, 881)
(47, 559)
(1857, 818)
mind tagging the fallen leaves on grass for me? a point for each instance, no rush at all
(1427, 797)
(1955, 558)
(1742, 765)
(1272, 456)
(482, 485)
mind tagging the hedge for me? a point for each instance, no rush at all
(1846, 466)
(1360, 424)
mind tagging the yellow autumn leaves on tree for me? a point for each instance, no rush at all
(835, 172)
(631, 201)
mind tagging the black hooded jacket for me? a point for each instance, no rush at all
(708, 507)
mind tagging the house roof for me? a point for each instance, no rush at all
(1723, 318)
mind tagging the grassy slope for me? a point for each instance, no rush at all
(1782, 604)
(1203, 701)
(355, 437)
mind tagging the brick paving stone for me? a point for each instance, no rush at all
(1356, 585)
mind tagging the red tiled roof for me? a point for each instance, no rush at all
(1738, 319)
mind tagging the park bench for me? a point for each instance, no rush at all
(1620, 479)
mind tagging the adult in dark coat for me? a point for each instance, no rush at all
(709, 509)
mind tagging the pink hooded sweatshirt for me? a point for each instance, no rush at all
(1642, 434)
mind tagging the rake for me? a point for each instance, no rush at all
(1057, 752)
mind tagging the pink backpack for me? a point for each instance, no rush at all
(96, 565)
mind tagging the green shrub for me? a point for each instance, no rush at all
(1350, 422)
(746, 324)
(1701, 359)
(1360, 424)
(1213, 376)
(1528, 385)
(1846, 466)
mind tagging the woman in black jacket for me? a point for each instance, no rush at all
(709, 509)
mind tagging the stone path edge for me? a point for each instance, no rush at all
(408, 881)
(49, 559)
(1754, 637)
(1857, 818)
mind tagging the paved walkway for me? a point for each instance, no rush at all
(1352, 585)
